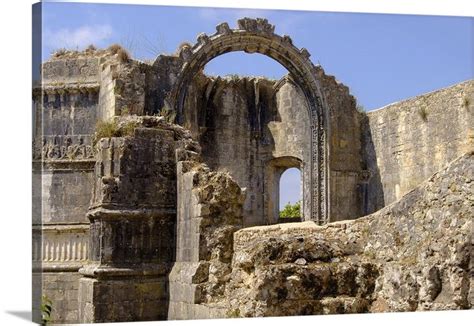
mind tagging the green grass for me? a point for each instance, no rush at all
(108, 129)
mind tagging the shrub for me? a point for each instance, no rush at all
(91, 48)
(46, 309)
(168, 114)
(59, 52)
(123, 55)
(114, 48)
(423, 113)
(466, 102)
(292, 211)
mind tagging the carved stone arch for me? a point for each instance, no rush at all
(257, 36)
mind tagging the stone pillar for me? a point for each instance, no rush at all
(209, 211)
(132, 219)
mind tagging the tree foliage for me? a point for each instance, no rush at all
(291, 210)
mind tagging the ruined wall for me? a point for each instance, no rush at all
(57, 254)
(229, 117)
(133, 221)
(209, 212)
(140, 259)
(256, 128)
(65, 105)
(347, 183)
(406, 142)
(413, 255)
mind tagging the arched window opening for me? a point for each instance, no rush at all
(290, 196)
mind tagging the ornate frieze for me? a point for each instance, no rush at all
(74, 147)
(56, 243)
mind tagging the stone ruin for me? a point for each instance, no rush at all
(172, 212)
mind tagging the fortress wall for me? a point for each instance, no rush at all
(406, 142)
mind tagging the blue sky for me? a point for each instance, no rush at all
(381, 58)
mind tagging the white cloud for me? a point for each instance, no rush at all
(77, 38)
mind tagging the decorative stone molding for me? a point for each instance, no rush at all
(256, 25)
(62, 88)
(74, 147)
(61, 243)
(257, 36)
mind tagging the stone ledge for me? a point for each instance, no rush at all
(65, 165)
(54, 267)
(61, 227)
(112, 211)
(102, 272)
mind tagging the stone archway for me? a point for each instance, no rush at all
(257, 36)
(274, 170)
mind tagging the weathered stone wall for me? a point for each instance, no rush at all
(255, 129)
(161, 239)
(57, 254)
(62, 289)
(66, 192)
(122, 87)
(66, 105)
(231, 117)
(347, 181)
(209, 212)
(406, 142)
(133, 221)
(412, 255)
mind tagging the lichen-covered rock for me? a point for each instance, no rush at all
(412, 255)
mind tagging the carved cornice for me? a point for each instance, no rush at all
(99, 271)
(62, 88)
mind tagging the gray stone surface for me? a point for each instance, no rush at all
(408, 141)
(412, 255)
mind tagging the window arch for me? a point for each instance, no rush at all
(290, 194)
(257, 36)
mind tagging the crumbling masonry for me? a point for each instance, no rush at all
(173, 214)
